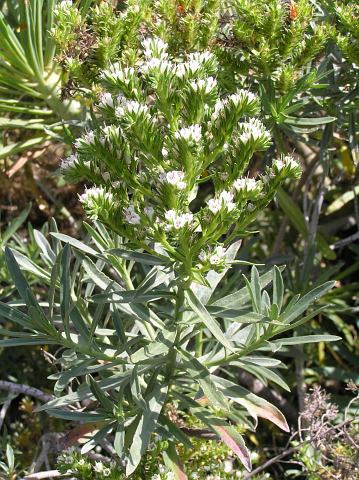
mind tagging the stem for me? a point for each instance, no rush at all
(199, 344)
(171, 365)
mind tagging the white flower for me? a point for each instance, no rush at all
(175, 178)
(228, 466)
(131, 106)
(286, 162)
(226, 198)
(98, 467)
(154, 47)
(224, 201)
(205, 85)
(118, 74)
(242, 96)
(197, 60)
(106, 176)
(106, 472)
(94, 194)
(131, 215)
(177, 221)
(253, 130)
(245, 184)
(156, 63)
(218, 108)
(217, 255)
(214, 204)
(278, 164)
(106, 100)
(149, 212)
(164, 152)
(291, 163)
(202, 256)
(81, 462)
(180, 70)
(193, 132)
(69, 162)
(62, 6)
(88, 139)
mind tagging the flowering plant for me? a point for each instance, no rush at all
(146, 326)
(162, 139)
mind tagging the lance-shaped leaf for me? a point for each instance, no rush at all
(255, 405)
(144, 258)
(74, 243)
(293, 311)
(241, 297)
(207, 319)
(226, 432)
(202, 376)
(130, 296)
(173, 462)
(235, 442)
(154, 401)
(306, 339)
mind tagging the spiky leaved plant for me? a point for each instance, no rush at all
(30, 79)
(146, 331)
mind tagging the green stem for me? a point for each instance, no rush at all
(172, 354)
(199, 344)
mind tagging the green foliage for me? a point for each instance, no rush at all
(29, 78)
(135, 356)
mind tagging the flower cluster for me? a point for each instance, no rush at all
(163, 137)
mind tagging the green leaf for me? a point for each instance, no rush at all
(44, 246)
(119, 443)
(130, 296)
(26, 264)
(97, 438)
(256, 289)
(173, 462)
(255, 405)
(305, 122)
(144, 258)
(154, 401)
(15, 315)
(293, 311)
(202, 376)
(75, 243)
(83, 417)
(18, 278)
(207, 319)
(235, 442)
(14, 225)
(240, 298)
(84, 391)
(65, 289)
(10, 457)
(278, 288)
(306, 339)
(25, 342)
(174, 431)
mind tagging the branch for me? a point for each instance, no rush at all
(25, 390)
(200, 433)
(48, 474)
